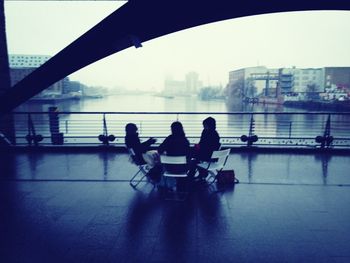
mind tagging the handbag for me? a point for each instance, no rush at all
(227, 177)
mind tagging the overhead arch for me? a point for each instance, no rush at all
(138, 21)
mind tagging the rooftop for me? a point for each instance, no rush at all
(79, 207)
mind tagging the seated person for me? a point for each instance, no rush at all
(176, 144)
(209, 142)
(142, 151)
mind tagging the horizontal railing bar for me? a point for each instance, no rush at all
(84, 128)
(190, 113)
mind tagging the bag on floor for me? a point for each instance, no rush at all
(226, 177)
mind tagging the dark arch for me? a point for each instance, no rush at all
(140, 21)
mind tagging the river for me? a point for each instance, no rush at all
(149, 103)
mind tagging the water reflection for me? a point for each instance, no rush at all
(250, 158)
(283, 125)
(34, 161)
(288, 169)
(149, 103)
(104, 156)
(324, 159)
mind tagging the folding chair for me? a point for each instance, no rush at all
(143, 169)
(174, 167)
(217, 163)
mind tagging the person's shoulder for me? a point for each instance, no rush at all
(167, 138)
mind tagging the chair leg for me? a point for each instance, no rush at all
(211, 177)
(133, 182)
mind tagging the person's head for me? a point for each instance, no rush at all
(131, 128)
(177, 129)
(209, 123)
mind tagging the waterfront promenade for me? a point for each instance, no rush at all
(79, 207)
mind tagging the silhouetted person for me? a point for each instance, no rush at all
(209, 142)
(176, 144)
(132, 140)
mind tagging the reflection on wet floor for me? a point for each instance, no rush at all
(250, 167)
(65, 207)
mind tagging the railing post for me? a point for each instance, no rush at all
(290, 129)
(56, 135)
(66, 124)
(326, 140)
(105, 138)
(251, 138)
(327, 132)
(29, 126)
(32, 136)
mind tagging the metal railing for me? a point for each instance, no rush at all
(290, 129)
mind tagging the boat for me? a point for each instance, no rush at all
(271, 100)
(164, 96)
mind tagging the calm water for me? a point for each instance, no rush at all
(149, 103)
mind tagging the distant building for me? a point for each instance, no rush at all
(337, 83)
(174, 87)
(252, 81)
(27, 61)
(337, 77)
(308, 80)
(236, 84)
(301, 83)
(23, 65)
(191, 85)
(286, 80)
(72, 86)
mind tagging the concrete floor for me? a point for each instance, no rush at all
(79, 207)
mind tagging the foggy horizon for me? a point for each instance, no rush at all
(307, 39)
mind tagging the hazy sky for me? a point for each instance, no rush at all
(301, 39)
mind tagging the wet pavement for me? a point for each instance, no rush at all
(79, 207)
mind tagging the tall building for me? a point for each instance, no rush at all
(189, 86)
(174, 87)
(308, 80)
(23, 65)
(252, 81)
(193, 85)
(286, 80)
